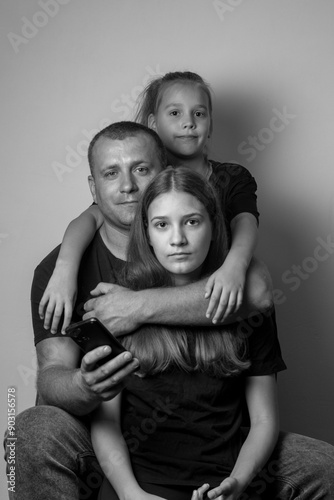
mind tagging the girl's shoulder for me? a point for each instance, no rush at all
(230, 177)
(232, 168)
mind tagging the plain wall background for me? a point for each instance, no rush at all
(83, 66)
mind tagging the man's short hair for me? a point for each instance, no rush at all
(122, 130)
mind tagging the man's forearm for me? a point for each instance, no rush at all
(183, 305)
(59, 386)
(122, 310)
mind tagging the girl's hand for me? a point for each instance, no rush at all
(103, 288)
(225, 289)
(198, 494)
(58, 298)
(227, 490)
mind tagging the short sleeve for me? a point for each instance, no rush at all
(263, 345)
(236, 188)
(41, 278)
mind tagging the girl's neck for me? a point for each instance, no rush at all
(187, 279)
(198, 164)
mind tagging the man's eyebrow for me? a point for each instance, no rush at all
(140, 162)
(136, 163)
(109, 166)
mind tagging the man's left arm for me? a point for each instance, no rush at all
(123, 311)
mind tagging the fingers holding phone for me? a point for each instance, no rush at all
(106, 364)
(108, 379)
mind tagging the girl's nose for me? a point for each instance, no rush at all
(178, 237)
(188, 121)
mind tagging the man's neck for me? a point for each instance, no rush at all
(115, 240)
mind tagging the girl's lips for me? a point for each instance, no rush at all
(187, 136)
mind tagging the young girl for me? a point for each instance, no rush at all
(177, 425)
(178, 107)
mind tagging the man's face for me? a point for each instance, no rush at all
(121, 172)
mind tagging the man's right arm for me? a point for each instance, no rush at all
(78, 390)
(63, 379)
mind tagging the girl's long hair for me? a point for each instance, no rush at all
(219, 352)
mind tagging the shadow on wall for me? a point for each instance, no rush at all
(299, 268)
(236, 114)
(305, 400)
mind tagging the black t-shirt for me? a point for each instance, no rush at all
(98, 264)
(185, 428)
(236, 189)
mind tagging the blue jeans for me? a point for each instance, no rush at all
(55, 461)
(54, 457)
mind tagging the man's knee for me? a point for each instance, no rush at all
(40, 428)
(42, 421)
(315, 456)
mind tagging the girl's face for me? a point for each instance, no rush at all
(183, 120)
(180, 232)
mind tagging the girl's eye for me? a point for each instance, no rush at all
(174, 113)
(160, 225)
(192, 222)
(199, 113)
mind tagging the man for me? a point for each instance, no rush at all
(54, 453)
(55, 459)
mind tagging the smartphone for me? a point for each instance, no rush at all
(91, 333)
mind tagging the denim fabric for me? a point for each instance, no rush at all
(300, 468)
(55, 461)
(54, 457)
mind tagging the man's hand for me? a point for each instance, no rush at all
(79, 385)
(106, 381)
(118, 308)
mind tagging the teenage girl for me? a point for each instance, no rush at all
(178, 107)
(176, 427)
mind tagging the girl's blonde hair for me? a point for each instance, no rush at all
(219, 351)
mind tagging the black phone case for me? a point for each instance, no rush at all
(91, 333)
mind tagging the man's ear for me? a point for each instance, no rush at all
(91, 183)
(151, 122)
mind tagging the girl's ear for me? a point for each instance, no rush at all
(210, 129)
(151, 122)
(147, 233)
